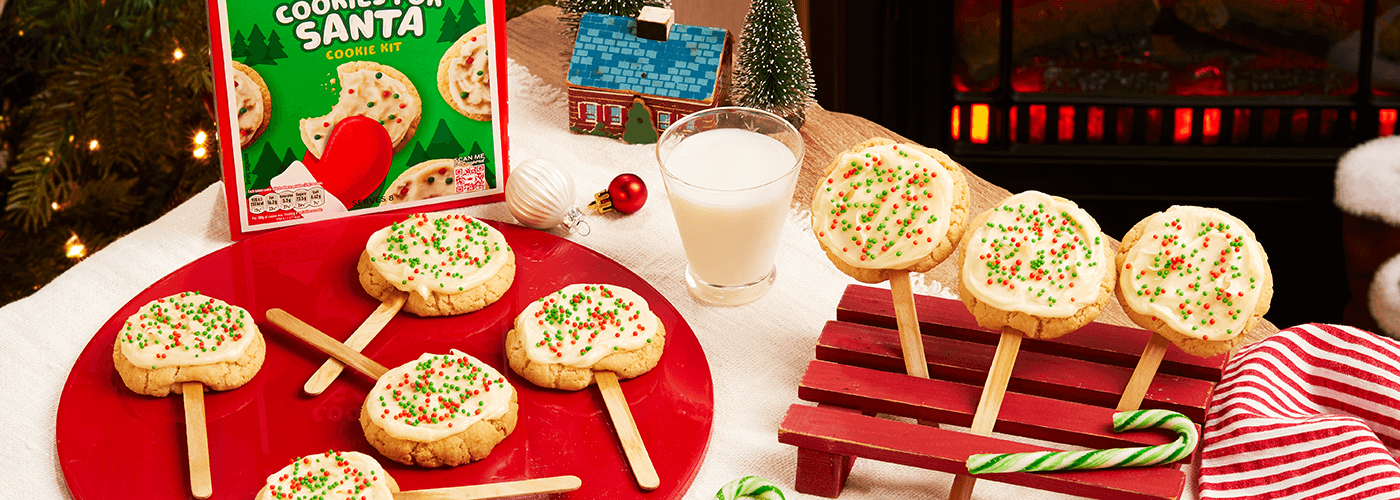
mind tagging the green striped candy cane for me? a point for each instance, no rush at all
(753, 487)
(1101, 459)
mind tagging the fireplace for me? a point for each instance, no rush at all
(1130, 106)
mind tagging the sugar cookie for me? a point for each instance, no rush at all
(187, 337)
(439, 410)
(464, 75)
(1035, 263)
(449, 264)
(885, 206)
(1195, 275)
(560, 339)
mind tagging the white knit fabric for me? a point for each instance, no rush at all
(1368, 180)
(1385, 297)
(757, 352)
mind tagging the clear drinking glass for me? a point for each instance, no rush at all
(730, 173)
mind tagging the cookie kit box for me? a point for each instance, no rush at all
(333, 108)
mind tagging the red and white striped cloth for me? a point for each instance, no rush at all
(1311, 412)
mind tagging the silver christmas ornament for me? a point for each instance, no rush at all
(540, 195)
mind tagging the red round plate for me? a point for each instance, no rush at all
(113, 443)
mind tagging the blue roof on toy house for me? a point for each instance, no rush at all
(608, 55)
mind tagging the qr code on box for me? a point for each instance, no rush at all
(468, 176)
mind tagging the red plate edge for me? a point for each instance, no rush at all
(114, 443)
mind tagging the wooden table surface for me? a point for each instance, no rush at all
(535, 40)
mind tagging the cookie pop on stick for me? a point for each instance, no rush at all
(181, 344)
(429, 265)
(885, 210)
(1034, 265)
(1194, 276)
(349, 474)
(586, 333)
(437, 410)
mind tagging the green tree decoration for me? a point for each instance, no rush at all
(448, 32)
(275, 50)
(257, 48)
(96, 126)
(444, 144)
(417, 155)
(289, 157)
(639, 129)
(239, 46)
(467, 18)
(773, 72)
(268, 166)
(573, 10)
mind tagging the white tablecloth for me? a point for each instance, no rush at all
(757, 352)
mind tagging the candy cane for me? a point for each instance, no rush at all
(753, 487)
(1184, 445)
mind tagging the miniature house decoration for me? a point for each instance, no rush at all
(632, 78)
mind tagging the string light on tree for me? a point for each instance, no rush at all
(58, 102)
(74, 248)
(199, 138)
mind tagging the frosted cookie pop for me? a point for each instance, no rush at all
(183, 343)
(885, 210)
(354, 475)
(587, 333)
(437, 410)
(1193, 276)
(429, 265)
(1034, 265)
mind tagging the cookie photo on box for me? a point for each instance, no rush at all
(464, 75)
(254, 103)
(372, 90)
(432, 179)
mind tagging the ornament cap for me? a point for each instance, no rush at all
(602, 202)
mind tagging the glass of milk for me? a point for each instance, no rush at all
(730, 173)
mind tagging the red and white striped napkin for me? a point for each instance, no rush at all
(1311, 412)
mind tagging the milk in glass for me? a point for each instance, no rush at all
(731, 203)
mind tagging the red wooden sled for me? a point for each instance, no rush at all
(1062, 390)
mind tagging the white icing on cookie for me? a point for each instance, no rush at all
(429, 179)
(185, 329)
(366, 92)
(469, 74)
(436, 396)
(1196, 269)
(580, 324)
(442, 253)
(249, 98)
(884, 207)
(1036, 255)
(333, 474)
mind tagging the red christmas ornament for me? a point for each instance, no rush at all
(626, 193)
